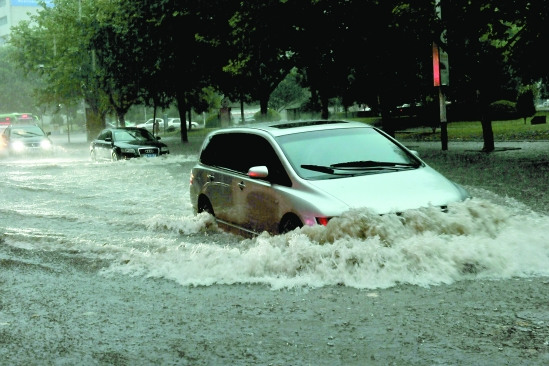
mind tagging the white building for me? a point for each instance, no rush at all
(14, 11)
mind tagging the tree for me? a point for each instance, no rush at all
(525, 103)
(15, 88)
(111, 42)
(478, 57)
(258, 56)
(176, 60)
(117, 53)
(57, 41)
(529, 37)
(394, 37)
(288, 92)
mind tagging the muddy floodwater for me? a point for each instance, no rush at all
(106, 264)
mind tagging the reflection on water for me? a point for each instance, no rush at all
(135, 218)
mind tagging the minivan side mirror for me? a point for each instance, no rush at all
(258, 172)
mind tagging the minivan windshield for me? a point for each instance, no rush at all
(334, 153)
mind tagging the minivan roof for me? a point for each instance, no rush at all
(290, 127)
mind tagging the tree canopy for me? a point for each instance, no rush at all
(118, 53)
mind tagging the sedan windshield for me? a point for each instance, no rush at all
(343, 152)
(133, 135)
(26, 131)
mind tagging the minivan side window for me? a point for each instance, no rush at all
(239, 152)
(260, 152)
(218, 151)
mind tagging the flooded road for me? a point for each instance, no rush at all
(105, 263)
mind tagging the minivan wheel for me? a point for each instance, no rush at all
(204, 205)
(289, 223)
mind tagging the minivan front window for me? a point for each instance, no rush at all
(342, 152)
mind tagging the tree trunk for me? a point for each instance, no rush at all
(94, 124)
(182, 108)
(324, 113)
(121, 118)
(387, 122)
(487, 133)
(264, 106)
(190, 120)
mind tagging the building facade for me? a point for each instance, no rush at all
(14, 11)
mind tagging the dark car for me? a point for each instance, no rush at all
(20, 139)
(126, 143)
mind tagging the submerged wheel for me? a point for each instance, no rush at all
(114, 156)
(204, 205)
(93, 156)
(288, 223)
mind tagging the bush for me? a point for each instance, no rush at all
(503, 110)
(271, 116)
(213, 121)
(525, 104)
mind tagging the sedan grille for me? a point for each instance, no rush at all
(148, 151)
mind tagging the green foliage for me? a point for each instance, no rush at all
(119, 53)
(213, 121)
(525, 103)
(57, 119)
(503, 110)
(16, 89)
(504, 130)
(271, 116)
(288, 93)
(57, 42)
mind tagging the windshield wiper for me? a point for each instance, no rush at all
(359, 165)
(318, 168)
(366, 164)
(325, 169)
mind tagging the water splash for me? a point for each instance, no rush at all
(474, 239)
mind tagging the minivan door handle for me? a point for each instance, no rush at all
(241, 185)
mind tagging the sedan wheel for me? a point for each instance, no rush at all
(93, 156)
(114, 156)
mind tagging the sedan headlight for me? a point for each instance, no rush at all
(164, 149)
(45, 144)
(128, 150)
(18, 146)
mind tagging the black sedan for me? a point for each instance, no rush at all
(25, 140)
(125, 143)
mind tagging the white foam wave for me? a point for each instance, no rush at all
(474, 239)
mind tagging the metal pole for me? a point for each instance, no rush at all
(443, 120)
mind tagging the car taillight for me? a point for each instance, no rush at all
(192, 178)
(323, 220)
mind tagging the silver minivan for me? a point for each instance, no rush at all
(279, 176)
